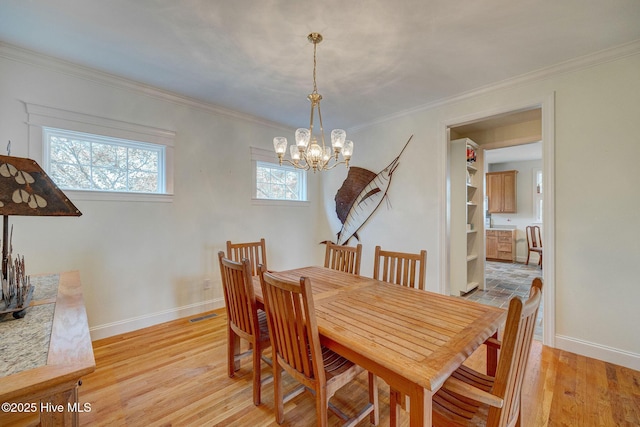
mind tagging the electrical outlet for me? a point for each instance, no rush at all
(206, 284)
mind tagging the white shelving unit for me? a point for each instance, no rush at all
(467, 225)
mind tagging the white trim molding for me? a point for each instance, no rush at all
(40, 116)
(575, 64)
(547, 104)
(139, 322)
(598, 351)
(36, 59)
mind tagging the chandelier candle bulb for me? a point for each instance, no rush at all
(310, 154)
(302, 137)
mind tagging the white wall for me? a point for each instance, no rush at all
(142, 263)
(597, 232)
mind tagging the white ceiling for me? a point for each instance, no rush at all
(516, 153)
(378, 57)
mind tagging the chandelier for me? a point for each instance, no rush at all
(308, 153)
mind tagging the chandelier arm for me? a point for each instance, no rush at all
(297, 165)
(334, 165)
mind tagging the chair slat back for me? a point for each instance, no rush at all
(343, 258)
(293, 327)
(255, 252)
(534, 239)
(400, 267)
(239, 297)
(514, 354)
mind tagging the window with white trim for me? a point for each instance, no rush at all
(83, 161)
(98, 158)
(272, 181)
(537, 194)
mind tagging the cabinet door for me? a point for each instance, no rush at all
(494, 192)
(492, 246)
(509, 199)
(505, 245)
(501, 191)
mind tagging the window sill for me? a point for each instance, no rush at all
(113, 196)
(270, 202)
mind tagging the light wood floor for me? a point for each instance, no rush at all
(174, 374)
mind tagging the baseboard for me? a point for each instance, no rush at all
(601, 352)
(135, 323)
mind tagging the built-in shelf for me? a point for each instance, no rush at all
(470, 286)
(466, 184)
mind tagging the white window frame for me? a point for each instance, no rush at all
(537, 196)
(41, 117)
(48, 132)
(259, 155)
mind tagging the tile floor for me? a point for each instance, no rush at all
(504, 281)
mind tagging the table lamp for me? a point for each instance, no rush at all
(25, 189)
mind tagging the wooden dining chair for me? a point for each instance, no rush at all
(534, 242)
(470, 398)
(400, 267)
(343, 258)
(244, 320)
(297, 351)
(255, 252)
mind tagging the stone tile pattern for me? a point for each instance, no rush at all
(25, 342)
(505, 281)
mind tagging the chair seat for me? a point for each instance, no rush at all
(334, 364)
(453, 409)
(473, 377)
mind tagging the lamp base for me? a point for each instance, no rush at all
(12, 307)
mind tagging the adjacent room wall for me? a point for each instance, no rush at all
(597, 232)
(525, 214)
(142, 263)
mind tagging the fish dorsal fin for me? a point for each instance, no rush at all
(357, 179)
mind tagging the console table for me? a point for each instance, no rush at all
(42, 364)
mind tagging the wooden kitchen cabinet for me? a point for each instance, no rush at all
(500, 245)
(501, 191)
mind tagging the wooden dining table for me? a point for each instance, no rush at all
(410, 338)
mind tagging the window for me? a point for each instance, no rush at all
(277, 182)
(537, 194)
(83, 161)
(274, 182)
(97, 158)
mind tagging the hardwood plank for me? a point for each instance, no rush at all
(175, 374)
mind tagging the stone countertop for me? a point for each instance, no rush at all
(502, 227)
(25, 342)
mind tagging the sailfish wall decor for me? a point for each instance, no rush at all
(360, 195)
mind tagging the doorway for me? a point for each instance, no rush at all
(502, 129)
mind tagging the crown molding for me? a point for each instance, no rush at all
(572, 65)
(40, 60)
(33, 58)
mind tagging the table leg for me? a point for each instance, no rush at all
(492, 358)
(420, 408)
